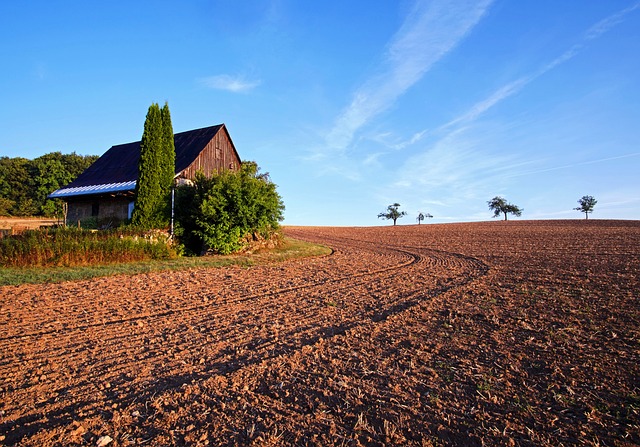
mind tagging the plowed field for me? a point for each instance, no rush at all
(501, 333)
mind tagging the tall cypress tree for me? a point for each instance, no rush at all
(156, 169)
(148, 193)
(168, 166)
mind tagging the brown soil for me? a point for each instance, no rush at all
(501, 333)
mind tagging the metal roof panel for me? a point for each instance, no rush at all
(93, 189)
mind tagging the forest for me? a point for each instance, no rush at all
(25, 184)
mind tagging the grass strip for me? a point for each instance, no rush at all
(290, 249)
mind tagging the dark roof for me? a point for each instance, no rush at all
(119, 165)
(191, 143)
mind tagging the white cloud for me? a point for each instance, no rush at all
(388, 140)
(573, 165)
(480, 107)
(430, 31)
(514, 87)
(236, 84)
(456, 164)
(609, 22)
(41, 71)
(373, 159)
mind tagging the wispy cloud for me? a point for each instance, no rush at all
(40, 71)
(514, 87)
(387, 139)
(480, 107)
(431, 30)
(573, 165)
(236, 84)
(609, 22)
(455, 163)
(372, 159)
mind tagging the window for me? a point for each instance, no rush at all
(95, 209)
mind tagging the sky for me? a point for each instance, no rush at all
(438, 105)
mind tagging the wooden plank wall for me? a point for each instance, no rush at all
(107, 207)
(218, 155)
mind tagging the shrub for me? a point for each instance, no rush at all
(224, 212)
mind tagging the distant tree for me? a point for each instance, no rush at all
(48, 173)
(76, 164)
(25, 184)
(16, 185)
(53, 171)
(392, 213)
(151, 193)
(5, 206)
(422, 216)
(587, 203)
(500, 206)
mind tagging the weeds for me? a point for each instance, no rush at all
(55, 247)
(290, 249)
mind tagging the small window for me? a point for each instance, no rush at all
(218, 153)
(95, 209)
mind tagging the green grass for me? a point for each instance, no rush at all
(68, 247)
(291, 249)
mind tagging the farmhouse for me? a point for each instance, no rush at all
(106, 189)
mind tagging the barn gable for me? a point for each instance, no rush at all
(206, 153)
(106, 189)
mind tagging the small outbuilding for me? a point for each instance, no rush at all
(106, 189)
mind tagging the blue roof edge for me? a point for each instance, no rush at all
(93, 189)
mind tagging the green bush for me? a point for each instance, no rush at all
(224, 212)
(72, 247)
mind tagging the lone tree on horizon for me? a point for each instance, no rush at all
(499, 205)
(587, 203)
(422, 216)
(392, 213)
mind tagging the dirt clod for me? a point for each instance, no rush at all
(104, 441)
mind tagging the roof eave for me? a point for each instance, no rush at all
(63, 193)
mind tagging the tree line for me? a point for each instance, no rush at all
(498, 205)
(25, 184)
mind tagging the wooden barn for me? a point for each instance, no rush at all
(106, 189)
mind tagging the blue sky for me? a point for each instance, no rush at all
(351, 106)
